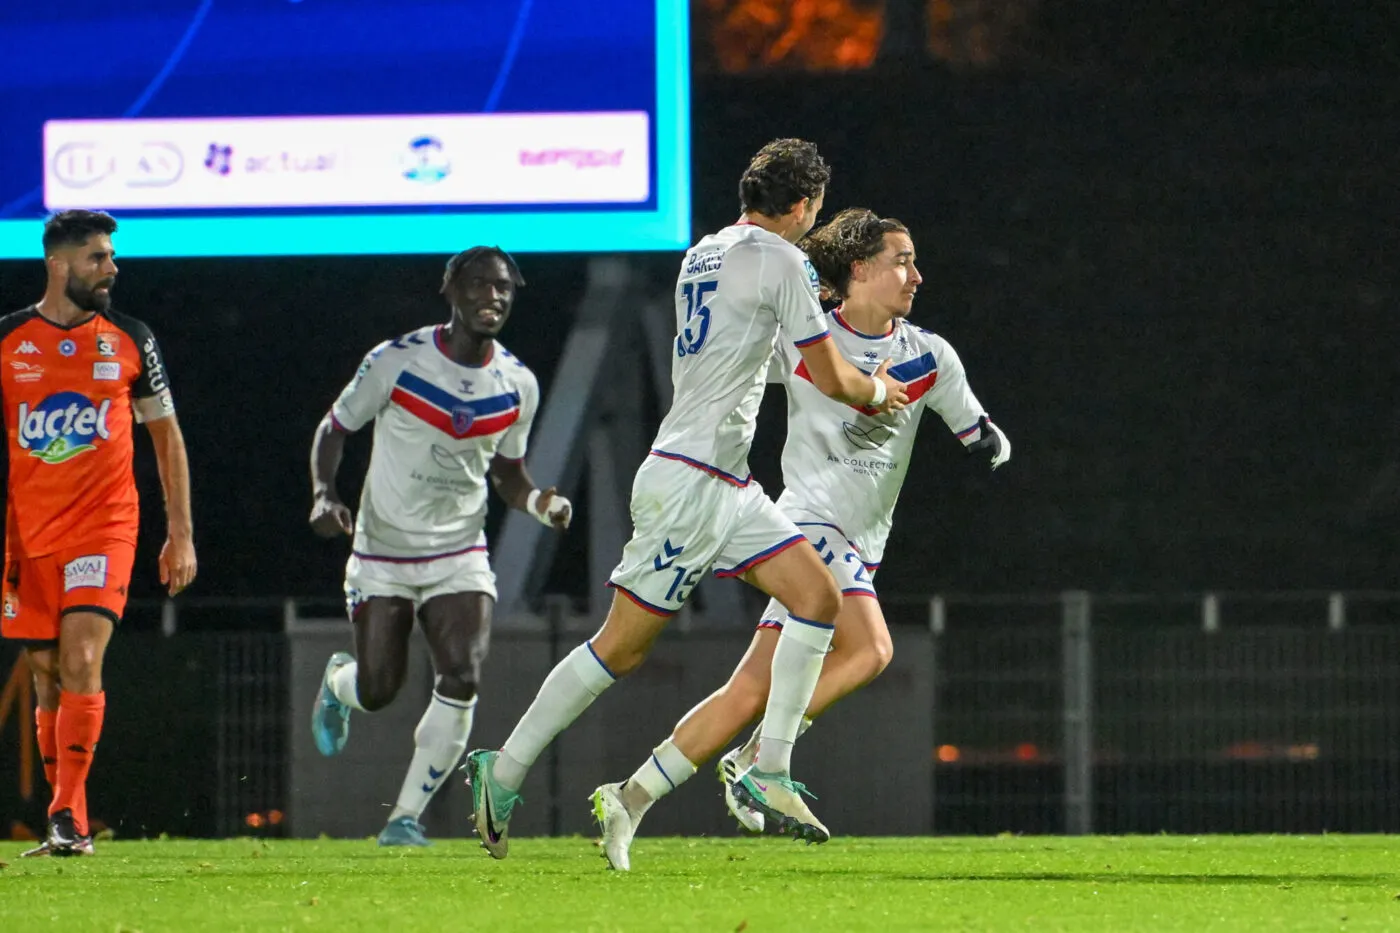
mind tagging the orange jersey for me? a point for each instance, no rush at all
(70, 398)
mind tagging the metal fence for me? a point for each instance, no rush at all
(1216, 712)
(1054, 713)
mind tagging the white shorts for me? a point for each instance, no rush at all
(417, 580)
(854, 576)
(687, 522)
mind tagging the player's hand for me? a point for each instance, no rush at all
(553, 509)
(331, 517)
(895, 396)
(991, 441)
(177, 562)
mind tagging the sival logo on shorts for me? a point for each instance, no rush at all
(62, 426)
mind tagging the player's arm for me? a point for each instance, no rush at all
(514, 485)
(154, 406)
(357, 405)
(508, 474)
(789, 283)
(953, 399)
(329, 515)
(178, 563)
(835, 377)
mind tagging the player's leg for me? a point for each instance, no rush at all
(675, 512)
(370, 679)
(42, 658)
(92, 584)
(795, 575)
(31, 614)
(860, 650)
(82, 703)
(458, 631)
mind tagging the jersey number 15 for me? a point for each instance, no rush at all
(691, 339)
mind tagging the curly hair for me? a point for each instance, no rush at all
(782, 173)
(853, 235)
(466, 257)
(72, 228)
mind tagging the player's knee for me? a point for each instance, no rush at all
(376, 689)
(877, 656)
(820, 603)
(80, 667)
(622, 659)
(456, 685)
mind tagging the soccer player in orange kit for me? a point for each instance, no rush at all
(74, 377)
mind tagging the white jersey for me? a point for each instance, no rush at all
(844, 466)
(737, 288)
(437, 425)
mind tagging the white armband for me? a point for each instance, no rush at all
(880, 392)
(558, 505)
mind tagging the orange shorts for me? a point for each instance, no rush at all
(39, 591)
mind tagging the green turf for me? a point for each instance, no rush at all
(1240, 883)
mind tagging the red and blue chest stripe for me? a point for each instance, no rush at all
(456, 417)
(918, 376)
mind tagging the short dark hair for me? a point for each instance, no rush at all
(468, 256)
(782, 173)
(855, 234)
(72, 228)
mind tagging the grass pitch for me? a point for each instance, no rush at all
(1208, 883)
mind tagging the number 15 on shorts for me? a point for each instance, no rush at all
(684, 578)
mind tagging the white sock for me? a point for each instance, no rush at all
(438, 742)
(343, 685)
(569, 689)
(749, 752)
(662, 773)
(797, 665)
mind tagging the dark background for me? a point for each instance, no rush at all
(1165, 248)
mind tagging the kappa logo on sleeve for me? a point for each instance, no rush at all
(85, 573)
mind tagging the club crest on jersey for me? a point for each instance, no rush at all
(11, 606)
(462, 419)
(107, 344)
(62, 426)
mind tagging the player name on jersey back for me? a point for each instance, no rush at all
(739, 292)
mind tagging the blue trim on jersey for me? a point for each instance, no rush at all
(701, 465)
(447, 401)
(804, 344)
(913, 369)
(417, 560)
(761, 556)
(650, 607)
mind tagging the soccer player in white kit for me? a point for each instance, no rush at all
(843, 468)
(450, 407)
(694, 505)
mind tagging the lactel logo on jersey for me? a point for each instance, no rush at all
(62, 426)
